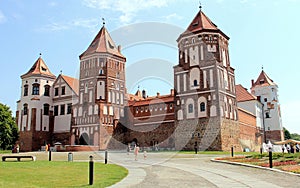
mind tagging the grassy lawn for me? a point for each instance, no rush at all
(285, 162)
(58, 174)
(5, 151)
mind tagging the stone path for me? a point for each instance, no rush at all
(180, 170)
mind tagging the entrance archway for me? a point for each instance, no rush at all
(84, 139)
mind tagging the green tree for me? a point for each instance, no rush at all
(295, 136)
(9, 133)
(287, 134)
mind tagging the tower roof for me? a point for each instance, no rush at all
(263, 80)
(103, 43)
(201, 23)
(39, 68)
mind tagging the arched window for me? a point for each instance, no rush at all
(35, 89)
(195, 83)
(46, 109)
(202, 107)
(25, 90)
(47, 90)
(25, 109)
(191, 108)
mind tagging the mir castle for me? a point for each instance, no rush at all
(206, 109)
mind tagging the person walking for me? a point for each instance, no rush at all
(136, 151)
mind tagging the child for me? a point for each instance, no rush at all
(145, 154)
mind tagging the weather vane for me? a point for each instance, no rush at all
(262, 67)
(103, 21)
(200, 5)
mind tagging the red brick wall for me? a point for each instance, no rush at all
(249, 134)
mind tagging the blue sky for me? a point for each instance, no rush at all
(262, 32)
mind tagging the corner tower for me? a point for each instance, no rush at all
(267, 92)
(34, 114)
(205, 99)
(101, 92)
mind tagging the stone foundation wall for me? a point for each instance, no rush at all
(230, 133)
(205, 133)
(64, 138)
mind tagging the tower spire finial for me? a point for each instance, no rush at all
(40, 54)
(200, 5)
(103, 21)
(262, 67)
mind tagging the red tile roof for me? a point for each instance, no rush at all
(102, 43)
(202, 23)
(39, 68)
(242, 94)
(72, 82)
(263, 80)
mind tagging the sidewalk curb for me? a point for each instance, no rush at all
(254, 166)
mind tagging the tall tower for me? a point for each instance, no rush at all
(34, 112)
(101, 92)
(267, 92)
(205, 99)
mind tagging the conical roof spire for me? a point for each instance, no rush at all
(201, 23)
(39, 68)
(263, 80)
(102, 43)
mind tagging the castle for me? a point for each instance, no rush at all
(205, 110)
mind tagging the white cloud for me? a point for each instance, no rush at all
(2, 17)
(173, 16)
(128, 8)
(52, 4)
(91, 24)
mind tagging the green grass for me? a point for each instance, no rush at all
(58, 174)
(5, 151)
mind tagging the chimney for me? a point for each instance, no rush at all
(119, 48)
(144, 94)
(157, 94)
(252, 82)
(172, 92)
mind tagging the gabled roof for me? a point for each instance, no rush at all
(263, 80)
(243, 95)
(102, 43)
(39, 68)
(73, 83)
(202, 23)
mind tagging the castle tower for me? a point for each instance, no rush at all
(267, 92)
(205, 99)
(34, 114)
(101, 92)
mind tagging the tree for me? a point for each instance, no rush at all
(287, 134)
(9, 133)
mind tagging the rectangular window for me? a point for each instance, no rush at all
(35, 89)
(26, 90)
(63, 90)
(56, 110)
(56, 91)
(62, 109)
(69, 108)
(47, 91)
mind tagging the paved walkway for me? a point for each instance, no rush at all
(180, 170)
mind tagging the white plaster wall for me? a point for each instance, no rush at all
(194, 55)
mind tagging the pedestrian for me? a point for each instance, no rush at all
(46, 147)
(145, 154)
(49, 147)
(297, 148)
(288, 147)
(196, 148)
(18, 148)
(283, 148)
(136, 151)
(292, 149)
(128, 148)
